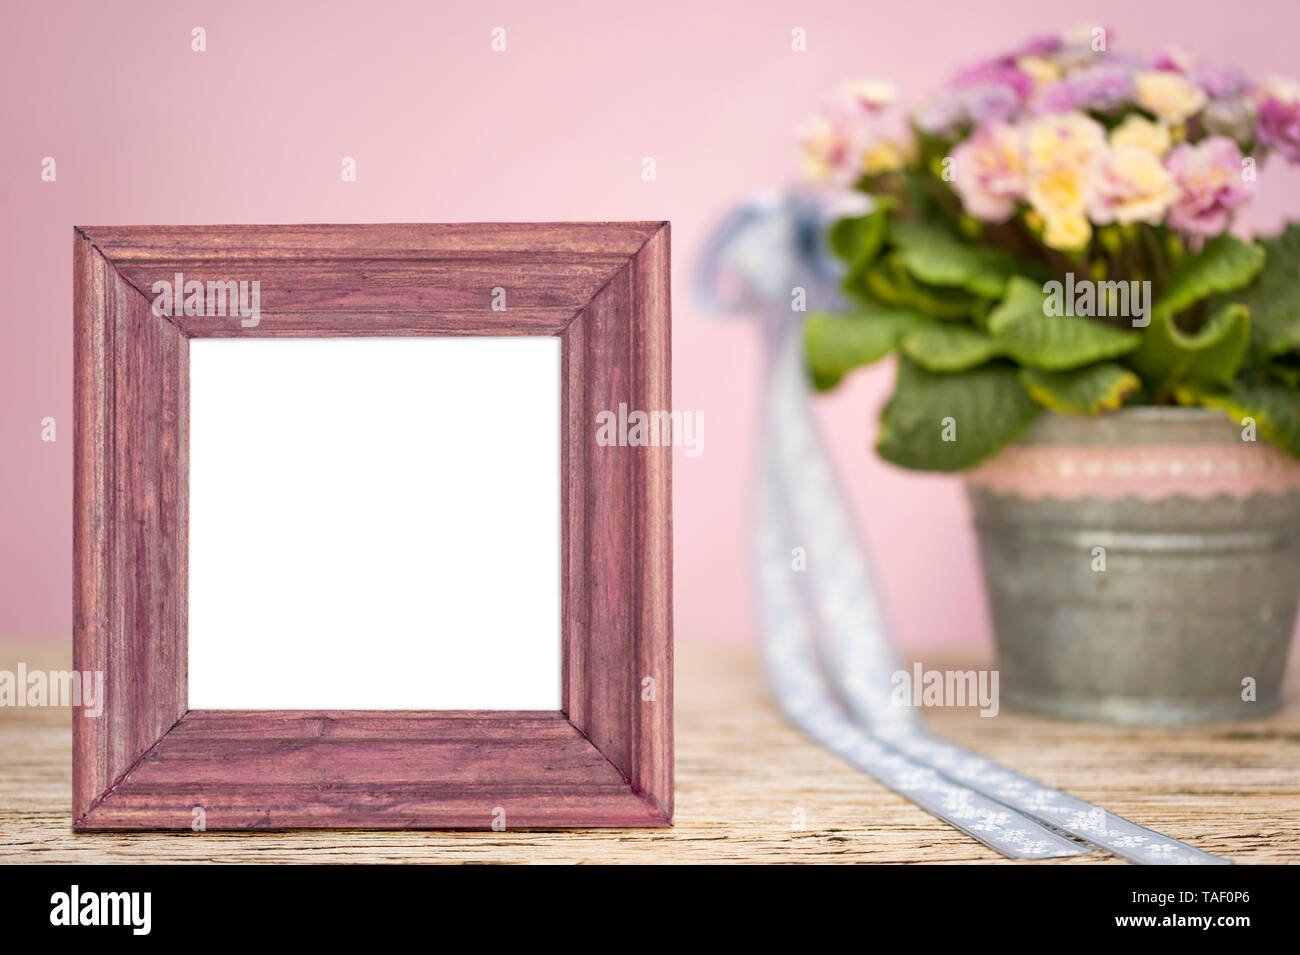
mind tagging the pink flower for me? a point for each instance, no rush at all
(1210, 184)
(989, 172)
(1059, 96)
(1173, 59)
(1279, 118)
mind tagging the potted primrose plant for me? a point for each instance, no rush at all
(1046, 248)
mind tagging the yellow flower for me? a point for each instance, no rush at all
(1067, 232)
(1042, 71)
(1141, 133)
(884, 156)
(1063, 152)
(1169, 95)
(1058, 192)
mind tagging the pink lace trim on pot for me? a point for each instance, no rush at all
(1111, 472)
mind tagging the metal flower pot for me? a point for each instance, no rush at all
(1141, 567)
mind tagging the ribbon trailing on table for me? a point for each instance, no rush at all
(827, 648)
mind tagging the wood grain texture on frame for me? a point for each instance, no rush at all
(604, 759)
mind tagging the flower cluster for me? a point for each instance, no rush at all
(1064, 137)
(851, 137)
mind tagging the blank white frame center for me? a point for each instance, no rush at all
(374, 523)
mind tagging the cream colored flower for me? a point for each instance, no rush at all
(871, 95)
(1062, 152)
(1171, 96)
(1071, 140)
(1141, 133)
(1067, 232)
(816, 139)
(830, 151)
(1132, 185)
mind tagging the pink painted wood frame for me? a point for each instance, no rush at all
(147, 762)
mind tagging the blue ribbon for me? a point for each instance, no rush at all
(827, 648)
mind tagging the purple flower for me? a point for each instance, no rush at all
(1210, 184)
(1104, 87)
(1218, 81)
(989, 103)
(1279, 119)
(994, 73)
(989, 92)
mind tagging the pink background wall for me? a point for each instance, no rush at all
(253, 130)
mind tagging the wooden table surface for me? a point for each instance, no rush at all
(743, 778)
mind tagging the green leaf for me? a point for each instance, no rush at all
(948, 346)
(1091, 390)
(1211, 355)
(889, 281)
(981, 410)
(858, 238)
(858, 241)
(836, 344)
(1226, 263)
(1274, 297)
(937, 257)
(1275, 409)
(1024, 330)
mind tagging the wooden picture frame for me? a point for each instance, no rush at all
(148, 761)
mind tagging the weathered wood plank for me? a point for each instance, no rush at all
(742, 773)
